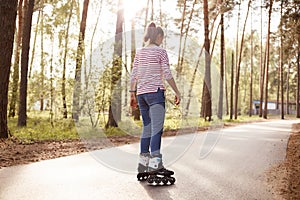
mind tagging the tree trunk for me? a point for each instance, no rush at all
(136, 111)
(63, 84)
(298, 80)
(42, 64)
(146, 17)
(231, 85)
(189, 95)
(51, 80)
(186, 33)
(16, 72)
(267, 64)
(239, 64)
(281, 64)
(8, 12)
(179, 65)
(116, 72)
(287, 90)
(236, 55)
(22, 120)
(34, 44)
(206, 95)
(262, 69)
(152, 11)
(160, 14)
(251, 70)
(221, 92)
(80, 52)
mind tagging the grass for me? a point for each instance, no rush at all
(39, 127)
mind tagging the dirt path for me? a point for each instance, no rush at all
(284, 178)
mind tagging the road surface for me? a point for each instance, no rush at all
(219, 164)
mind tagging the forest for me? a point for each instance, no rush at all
(71, 59)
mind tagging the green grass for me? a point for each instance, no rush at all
(39, 127)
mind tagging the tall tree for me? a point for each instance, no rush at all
(222, 66)
(281, 62)
(22, 120)
(298, 79)
(16, 66)
(34, 43)
(63, 83)
(231, 85)
(206, 111)
(268, 60)
(262, 70)
(116, 72)
(136, 111)
(8, 12)
(179, 66)
(42, 64)
(239, 64)
(80, 53)
(251, 68)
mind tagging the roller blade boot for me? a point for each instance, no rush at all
(158, 175)
(143, 173)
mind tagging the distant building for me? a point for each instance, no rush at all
(274, 107)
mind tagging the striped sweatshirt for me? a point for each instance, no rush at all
(150, 68)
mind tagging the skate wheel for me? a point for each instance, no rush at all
(150, 180)
(172, 180)
(145, 177)
(164, 180)
(142, 176)
(157, 180)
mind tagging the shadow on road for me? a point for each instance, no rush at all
(158, 192)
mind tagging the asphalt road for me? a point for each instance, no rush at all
(219, 164)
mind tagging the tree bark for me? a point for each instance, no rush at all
(262, 69)
(187, 32)
(281, 63)
(16, 72)
(22, 120)
(239, 65)
(298, 79)
(287, 90)
(251, 70)
(34, 44)
(135, 111)
(222, 49)
(63, 83)
(179, 65)
(8, 12)
(236, 55)
(231, 85)
(42, 63)
(206, 95)
(116, 72)
(80, 52)
(268, 61)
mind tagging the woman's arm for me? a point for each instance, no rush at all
(175, 89)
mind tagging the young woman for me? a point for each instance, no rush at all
(150, 69)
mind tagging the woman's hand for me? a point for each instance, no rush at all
(133, 100)
(177, 99)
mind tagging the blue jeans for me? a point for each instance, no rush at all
(152, 107)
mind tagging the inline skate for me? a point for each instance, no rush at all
(143, 167)
(158, 174)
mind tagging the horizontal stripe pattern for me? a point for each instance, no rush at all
(150, 69)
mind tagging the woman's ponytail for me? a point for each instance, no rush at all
(151, 33)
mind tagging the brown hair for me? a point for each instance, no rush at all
(152, 32)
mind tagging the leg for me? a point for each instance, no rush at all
(157, 115)
(146, 134)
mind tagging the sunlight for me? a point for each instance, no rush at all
(132, 8)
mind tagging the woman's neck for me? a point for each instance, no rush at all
(152, 44)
